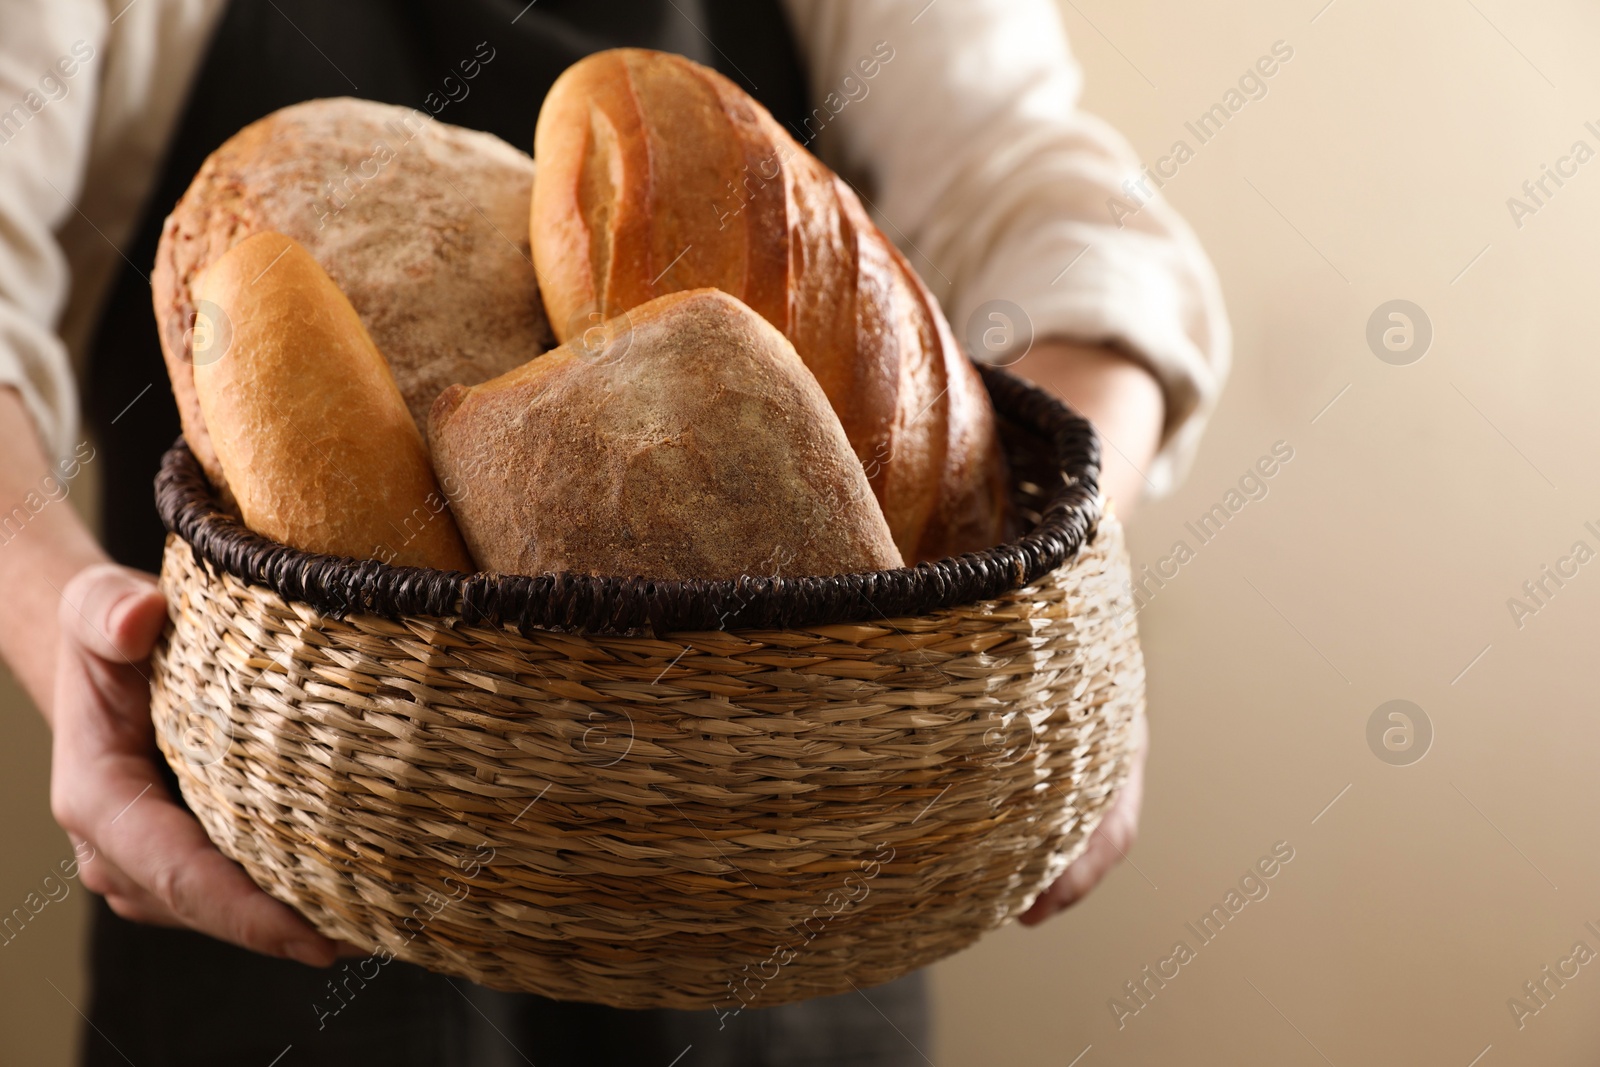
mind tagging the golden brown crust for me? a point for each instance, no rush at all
(420, 223)
(659, 175)
(310, 430)
(691, 444)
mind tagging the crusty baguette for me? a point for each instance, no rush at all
(420, 223)
(684, 439)
(658, 175)
(309, 427)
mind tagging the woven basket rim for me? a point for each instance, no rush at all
(338, 586)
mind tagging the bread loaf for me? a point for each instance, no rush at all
(684, 439)
(421, 224)
(309, 428)
(658, 175)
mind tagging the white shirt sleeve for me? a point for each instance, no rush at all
(959, 121)
(49, 81)
(90, 91)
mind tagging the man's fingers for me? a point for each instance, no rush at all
(1096, 861)
(1084, 874)
(113, 612)
(99, 875)
(1107, 845)
(163, 850)
(156, 863)
(141, 908)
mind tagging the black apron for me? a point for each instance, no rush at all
(163, 997)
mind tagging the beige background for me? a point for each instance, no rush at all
(1390, 545)
(1378, 567)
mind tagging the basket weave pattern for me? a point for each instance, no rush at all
(682, 817)
(721, 818)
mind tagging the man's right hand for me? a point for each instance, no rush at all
(152, 861)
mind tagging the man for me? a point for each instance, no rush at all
(967, 146)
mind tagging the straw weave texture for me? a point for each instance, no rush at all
(687, 794)
(706, 819)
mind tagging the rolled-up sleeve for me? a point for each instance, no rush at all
(959, 121)
(49, 78)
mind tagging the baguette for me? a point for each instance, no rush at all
(684, 439)
(658, 175)
(310, 430)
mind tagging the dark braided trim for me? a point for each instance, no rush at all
(1046, 441)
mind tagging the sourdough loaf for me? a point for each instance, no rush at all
(684, 439)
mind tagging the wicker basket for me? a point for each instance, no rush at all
(658, 794)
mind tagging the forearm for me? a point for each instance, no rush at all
(1115, 393)
(43, 543)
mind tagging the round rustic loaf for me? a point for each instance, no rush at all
(422, 225)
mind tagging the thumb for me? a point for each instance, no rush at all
(115, 613)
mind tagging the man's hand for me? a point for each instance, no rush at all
(1108, 845)
(1124, 402)
(151, 860)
